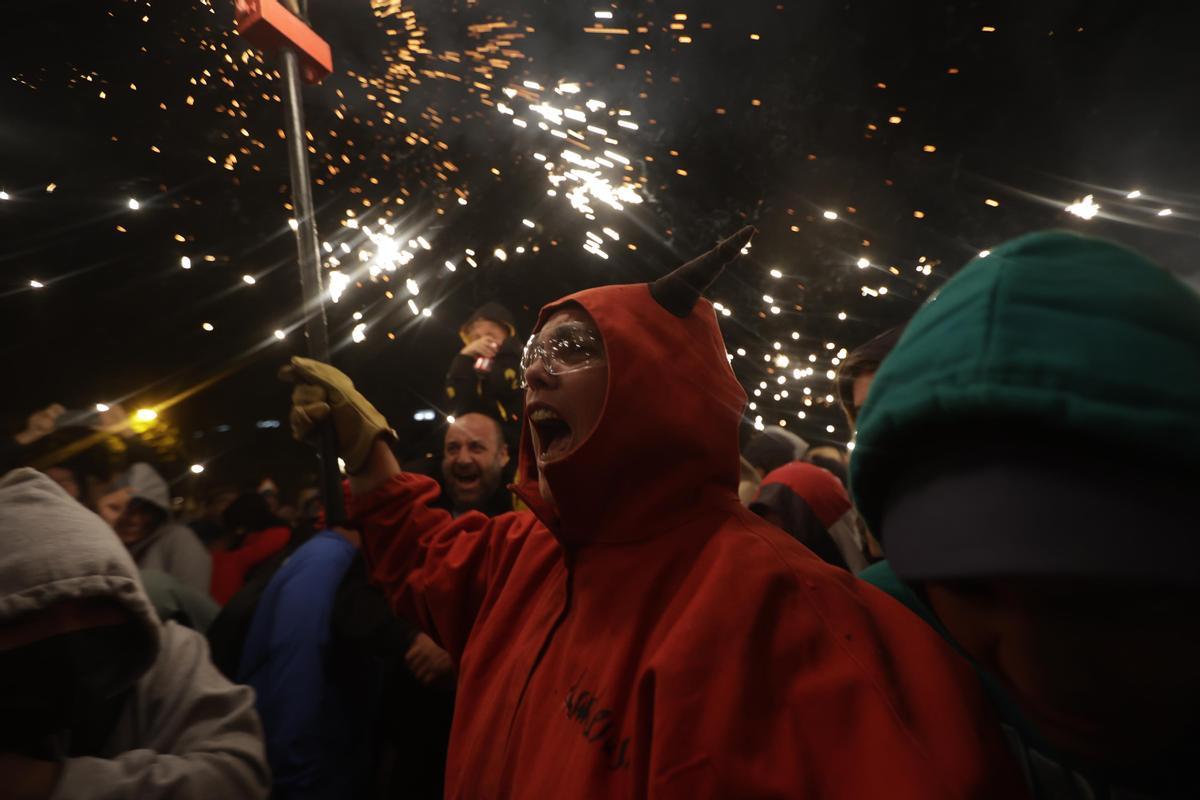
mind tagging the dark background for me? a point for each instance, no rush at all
(1061, 100)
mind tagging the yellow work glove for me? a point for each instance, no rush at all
(322, 392)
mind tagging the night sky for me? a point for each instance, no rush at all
(877, 146)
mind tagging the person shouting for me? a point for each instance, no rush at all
(638, 632)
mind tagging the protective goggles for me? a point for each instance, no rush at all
(569, 347)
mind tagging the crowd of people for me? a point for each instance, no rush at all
(602, 590)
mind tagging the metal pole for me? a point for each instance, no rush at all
(315, 333)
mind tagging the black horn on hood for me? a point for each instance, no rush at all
(679, 290)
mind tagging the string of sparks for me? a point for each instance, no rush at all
(583, 141)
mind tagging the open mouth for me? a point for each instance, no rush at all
(463, 482)
(551, 434)
(467, 479)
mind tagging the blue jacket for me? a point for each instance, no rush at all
(315, 700)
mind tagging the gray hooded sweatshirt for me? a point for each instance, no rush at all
(181, 730)
(171, 548)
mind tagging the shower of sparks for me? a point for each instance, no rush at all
(393, 172)
(579, 136)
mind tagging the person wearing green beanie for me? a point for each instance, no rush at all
(1029, 457)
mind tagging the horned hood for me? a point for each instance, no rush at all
(666, 443)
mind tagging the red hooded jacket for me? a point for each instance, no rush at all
(229, 567)
(811, 504)
(651, 638)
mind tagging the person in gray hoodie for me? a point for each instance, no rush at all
(98, 699)
(140, 513)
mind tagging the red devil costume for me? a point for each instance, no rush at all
(650, 637)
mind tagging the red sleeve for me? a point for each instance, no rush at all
(850, 696)
(230, 566)
(262, 545)
(437, 571)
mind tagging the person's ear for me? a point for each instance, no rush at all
(504, 457)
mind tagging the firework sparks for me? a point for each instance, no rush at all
(1084, 208)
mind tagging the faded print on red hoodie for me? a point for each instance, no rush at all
(650, 637)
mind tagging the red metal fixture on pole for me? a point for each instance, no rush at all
(303, 56)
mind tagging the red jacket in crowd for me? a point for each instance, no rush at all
(229, 567)
(811, 504)
(650, 637)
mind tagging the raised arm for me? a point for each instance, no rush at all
(435, 570)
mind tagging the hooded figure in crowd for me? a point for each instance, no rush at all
(98, 699)
(1029, 457)
(811, 504)
(80, 461)
(640, 633)
(140, 513)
